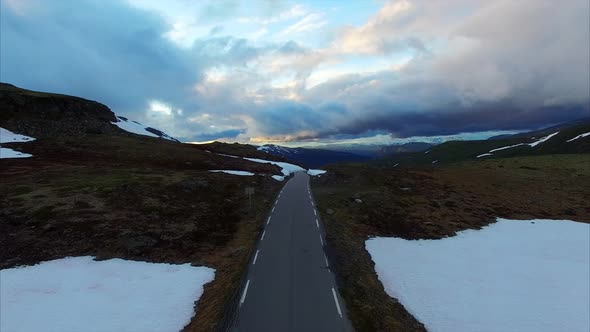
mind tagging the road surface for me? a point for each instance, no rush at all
(290, 286)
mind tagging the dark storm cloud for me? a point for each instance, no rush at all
(502, 66)
(486, 118)
(228, 134)
(101, 50)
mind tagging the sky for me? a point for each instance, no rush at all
(307, 72)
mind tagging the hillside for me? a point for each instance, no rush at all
(360, 201)
(564, 139)
(105, 186)
(312, 158)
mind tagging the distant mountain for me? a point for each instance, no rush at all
(544, 131)
(312, 158)
(404, 148)
(568, 138)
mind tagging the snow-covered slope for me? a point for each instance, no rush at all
(579, 136)
(80, 294)
(7, 136)
(532, 145)
(510, 276)
(137, 128)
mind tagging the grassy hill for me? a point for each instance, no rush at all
(456, 151)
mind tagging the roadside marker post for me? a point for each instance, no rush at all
(249, 192)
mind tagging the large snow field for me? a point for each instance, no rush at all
(80, 294)
(510, 276)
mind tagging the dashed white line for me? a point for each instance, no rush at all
(335, 300)
(263, 232)
(255, 257)
(268, 221)
(321, 240)
(246, 292)
(273, 209)
(315, 212)
(317, 223)
(325, 259)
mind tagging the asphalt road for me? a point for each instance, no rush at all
(290, 286)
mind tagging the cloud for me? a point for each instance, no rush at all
(103, 51)
(310, 22)
(413, 68)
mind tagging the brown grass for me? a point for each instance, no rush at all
(431, 203)
(140, 199)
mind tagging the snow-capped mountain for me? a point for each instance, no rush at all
(311, 158)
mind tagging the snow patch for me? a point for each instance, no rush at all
(6, 153)
(314, 172)
(579, 136)
(80, 294)
(532, 145)
(286, 168)
(137, 128)
(507, 147)
(510, 276)
(7, 136)
(242, 173)
(278, 177)
(544, 139)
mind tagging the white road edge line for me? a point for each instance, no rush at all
(263, 232)
(326, 259)
(255, 257)
(321, 240)
(268, 221)
(314, 212)
(246, 292)
(317, 223)
(335, 300)
(273, 209)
